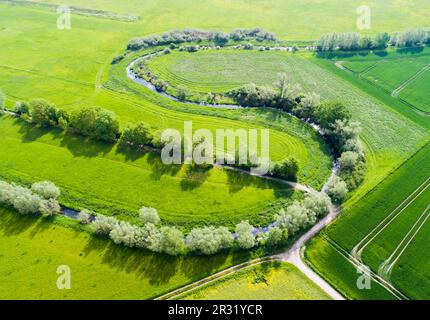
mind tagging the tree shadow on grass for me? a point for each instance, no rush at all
(194, 177)
(156, 268)
(159, 168)
(80, 146)
(12, 223)
(32, 133)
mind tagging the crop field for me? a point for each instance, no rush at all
(402, 74)
(389, 224)
(384, 223)
(268, 281)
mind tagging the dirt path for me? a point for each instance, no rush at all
(292, 255)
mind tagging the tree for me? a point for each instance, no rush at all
(43, 113)
(297, 217)
(104, 225)
(221, 39)
(149, 215)
(85, 216)
(337, 190)
(245, 237)
(7, 193)
(348, 160)
(96, 123)
(317, 205)
(123, 233)
(49, 207)
(26, 203)
(344, 136)
(209, 240)
(287, 170)
(182, 93)
(136, 137)
(172, 241)
(46, 189)
(276, 236)
(22, 107)
(148, 237)
(306, 108)
(286, 88)
(381, 40)
(327, 113)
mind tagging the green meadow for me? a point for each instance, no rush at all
(31, 250)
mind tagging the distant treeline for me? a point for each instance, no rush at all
(350, 41)
(191, 35)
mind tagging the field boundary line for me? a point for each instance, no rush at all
(366, 270)
(214, 277)
(397, 91)
(387, 267)
(357, 250)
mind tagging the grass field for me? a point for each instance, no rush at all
(268, 281)
(403, 74)
(108, 181)
(31, 249)
(219, 71)
(304, 20)
(358, 221)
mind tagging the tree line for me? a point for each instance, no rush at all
(192, 35)
(332, 118)
(150, 234)
(351, 41)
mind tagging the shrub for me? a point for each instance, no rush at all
(49, 207)
(104, 225)
(248, 46)
(209, 240)
(245, 237)
(149, 215)
(161, 85)
(46, 189)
